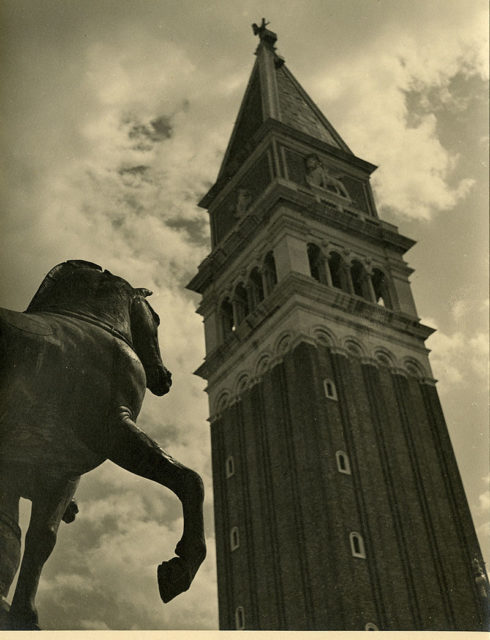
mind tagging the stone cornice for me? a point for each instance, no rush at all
(312, 142)
(356, 307)
(246, 368)
(265, 133)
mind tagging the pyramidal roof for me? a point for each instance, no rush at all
(273, 92)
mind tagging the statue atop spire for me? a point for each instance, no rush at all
(260, 30)
(266, 36)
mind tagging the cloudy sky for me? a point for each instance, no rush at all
(116, 114)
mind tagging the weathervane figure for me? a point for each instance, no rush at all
(258, 31)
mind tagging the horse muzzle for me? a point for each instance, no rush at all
(158, 380)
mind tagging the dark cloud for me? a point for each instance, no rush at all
(162, 128)
(463, 92)
(196, 229)
(144, 136)
(117, 223)
(135, 177)
(139, 170)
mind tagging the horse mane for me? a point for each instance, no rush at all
(42, 295)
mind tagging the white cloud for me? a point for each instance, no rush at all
(459, 309)
(482, 510)
(484, 499)
(458, 358)
(415, 178)
(105, 563)
(483, 532)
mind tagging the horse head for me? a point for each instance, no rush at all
(144, 333)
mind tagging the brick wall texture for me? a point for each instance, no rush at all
(294, 568)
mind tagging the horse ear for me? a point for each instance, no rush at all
(144, 292)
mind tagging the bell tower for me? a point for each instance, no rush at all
(338, 502)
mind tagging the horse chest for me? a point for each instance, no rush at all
(63, 388)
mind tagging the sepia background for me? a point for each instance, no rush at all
(116, 115)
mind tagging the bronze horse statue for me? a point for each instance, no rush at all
(73, 371)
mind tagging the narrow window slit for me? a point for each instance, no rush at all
(357, 545)
(343, 463)
(240, 618)
(230, 466)
(329, 388)
(234, 538)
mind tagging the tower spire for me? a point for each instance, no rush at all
(272, 95)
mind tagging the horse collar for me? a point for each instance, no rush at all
(98, 323)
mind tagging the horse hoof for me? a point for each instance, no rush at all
(174, 577)
(70, 512)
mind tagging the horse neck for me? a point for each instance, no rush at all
(98, 297)
(110, 315)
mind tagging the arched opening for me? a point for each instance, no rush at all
(242, 384)
(370, 626)
(414, 368)
(223, 401)
(256, 288)
(359, 280)
(381, 289)
(270, 274)
(337, 272)
(226, 314)
(384, 358)
(316, 261)
(240, 300)
(353, 348)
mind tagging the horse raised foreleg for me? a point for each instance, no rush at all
(48, 507)
(130, 448)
